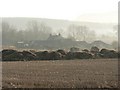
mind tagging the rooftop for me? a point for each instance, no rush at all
(55, 37)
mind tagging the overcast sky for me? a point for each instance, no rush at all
(80, 10)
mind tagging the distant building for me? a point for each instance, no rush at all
(53, 42)
(55, 37)
(22, 44)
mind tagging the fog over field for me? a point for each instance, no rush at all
(99, 17)
(102, 31)
(59, 44)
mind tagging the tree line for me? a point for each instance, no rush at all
(40, 31)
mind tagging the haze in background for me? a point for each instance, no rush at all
(99, 11)
(62, 9)
(98, 31)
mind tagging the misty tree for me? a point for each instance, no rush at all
(78, 32)
(8, 34)
(72, 31)
(37, 31)
(5, 26)
(34, 31)
(90, 36)
(82, 32)
(20, 35)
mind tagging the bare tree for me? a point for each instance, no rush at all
(78, 32)
(90, 36)
(37, 31)
(8, 33)
(72, 31)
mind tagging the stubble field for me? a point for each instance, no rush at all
(99, 73)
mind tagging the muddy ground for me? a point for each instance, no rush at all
(99, 73)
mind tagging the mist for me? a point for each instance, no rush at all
(61, 26)
(36, 32)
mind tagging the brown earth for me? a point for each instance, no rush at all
(99, 73)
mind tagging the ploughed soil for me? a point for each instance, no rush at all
(99, 73)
